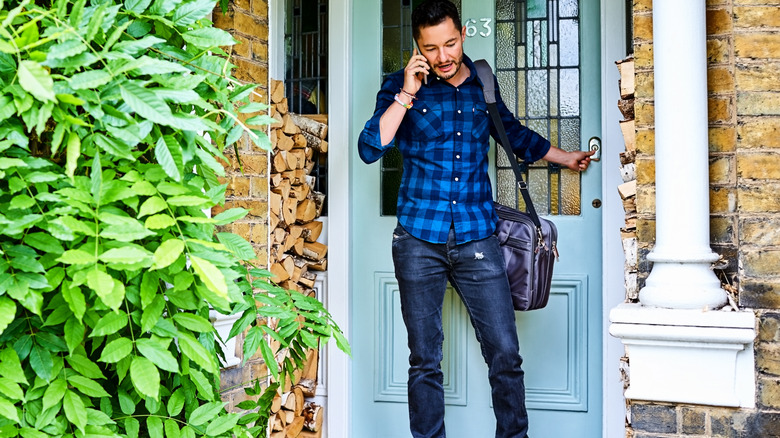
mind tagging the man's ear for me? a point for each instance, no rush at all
(463, 34)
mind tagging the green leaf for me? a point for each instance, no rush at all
(237, 245)
(206, 412)
(54, 393)
(90, 79)
(168, 153)
(85, 367)
(41, 362)
(261, 120)
(167, 253)
(152, 313)
(76, 257)
(145, 377)
(116, 350)
(135, 47)
(73, 154)
(87, 386)
(109, 324)
(222, 424)
(154, 426)
(176, 402)
(44, 242)
(230, 216)
(113, 147)
(188, 201)
(126, 255)
(158, 354)
(75, 299)
(208, 37)
(152, 205)
(145, 103)
(159, 222)
(137, 6)
(253, 107)
(190, 12)
(75, 410)
(99, 418)
(7, 312)
(36, 81)
(193, 322)
(8, 410)
(172, 429)
(74, 333)
(269, 359)
(11, 389)
(110, 291)
(11, 366)
(210, 276)
(252, 341)
(196, 352)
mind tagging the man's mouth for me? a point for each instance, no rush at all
(445, 67)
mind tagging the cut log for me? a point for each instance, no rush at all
(284, 141)
(313, 417)
(279, 161)
(289, 127)
(276, 404)
(289, 265)
(312, 231)
(319, 265)
(273, 220)
(279, 273)
(296, 159)
(300, 191)
(314, 142)
(311, 367)
(308, 386)
(299, 401)
(310, 125)
(289, 207)
(278, 434)
(275, 179)
(297, 176)
(307, 211)
(314, 251)
(626, 107)
(295, 428)
(275, 203)
(277, 423)
(283, 106)
(627, 189)
(299, 141)
(319, 201)
(626, 68)
(277, 91)
(628, 127)
(283, 188)
(628, 172)
(307, 278)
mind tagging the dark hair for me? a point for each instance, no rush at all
(433, 12)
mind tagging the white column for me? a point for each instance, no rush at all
(681, 276)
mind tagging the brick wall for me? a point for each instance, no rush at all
(247, 21)
(743, 53)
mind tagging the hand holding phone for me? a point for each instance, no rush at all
(417, 52)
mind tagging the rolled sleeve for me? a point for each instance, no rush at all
(526, 143)
(370, 147)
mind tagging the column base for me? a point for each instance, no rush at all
(683, 286)
(688, 356)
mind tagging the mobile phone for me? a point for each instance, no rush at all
(425, 75)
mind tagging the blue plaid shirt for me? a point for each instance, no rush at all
(444, 142)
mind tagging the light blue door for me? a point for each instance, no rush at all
(546, 54)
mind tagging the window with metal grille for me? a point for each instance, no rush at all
(306, 76)
(538, 70)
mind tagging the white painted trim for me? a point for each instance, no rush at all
(613, 292)
(339, 412)
(276, 58)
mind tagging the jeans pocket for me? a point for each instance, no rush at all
(400, 234)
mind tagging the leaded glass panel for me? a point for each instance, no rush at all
(541, 85)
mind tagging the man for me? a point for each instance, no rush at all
(446, 218)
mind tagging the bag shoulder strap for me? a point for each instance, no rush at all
(485, 73)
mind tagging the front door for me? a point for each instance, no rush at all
(546, 55)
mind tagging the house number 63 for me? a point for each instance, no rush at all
(472, 27)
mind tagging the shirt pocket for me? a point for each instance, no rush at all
(425, 121)
(481, 124)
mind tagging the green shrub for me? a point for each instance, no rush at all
(113, 117)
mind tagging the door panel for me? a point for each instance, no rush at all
(561, 344)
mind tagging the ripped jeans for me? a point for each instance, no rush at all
(476, 271)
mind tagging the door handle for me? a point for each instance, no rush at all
(594, 144)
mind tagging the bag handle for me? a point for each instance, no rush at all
(485, 74)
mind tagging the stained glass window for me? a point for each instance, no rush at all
(538, 70)
(397, 48)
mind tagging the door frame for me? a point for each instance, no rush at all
(339, 378)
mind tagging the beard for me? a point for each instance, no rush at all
(456, 64)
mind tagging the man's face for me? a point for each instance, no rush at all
(442, 46)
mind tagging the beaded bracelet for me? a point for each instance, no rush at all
(408, 94)
(400, 102)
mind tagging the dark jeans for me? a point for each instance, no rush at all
(476, 271)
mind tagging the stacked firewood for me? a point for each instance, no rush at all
(291, 415)
(294, 204)
(295, 253)
(627, 190)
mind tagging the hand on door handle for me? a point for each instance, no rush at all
(594, 144)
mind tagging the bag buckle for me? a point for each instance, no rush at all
(522, 185)
(540, 237)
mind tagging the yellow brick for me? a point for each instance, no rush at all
(720, 80)
(722, 138)
(718, 50)
(251, 71)
(645, 230)
(759, 133)
(644, 113)
(722, 230)
(255, 164)
(760, 293)
(645, 199)
(756, 17)
(720, 109)
(757, 103)
(259, 234)
(762, 198)
(260, 51)
(645, 170)
(758, 166)
(760, 263)
(242, 4)
(757, 77)
(769, 327)
(243, 48)
(260, 9)
(722, 170)
(643, 55)
(643, 85)
(238, 187)
(641, 6)
(645, 141)
(643, 28)
(718, 21)
(722, 200)
(755, 232)
(756, 2)
(259, 188)
(757, 45)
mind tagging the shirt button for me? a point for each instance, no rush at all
(459, 111)
(425, 110)
(457, 156)
(454, 202)
(457, 179)
(458, 134)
